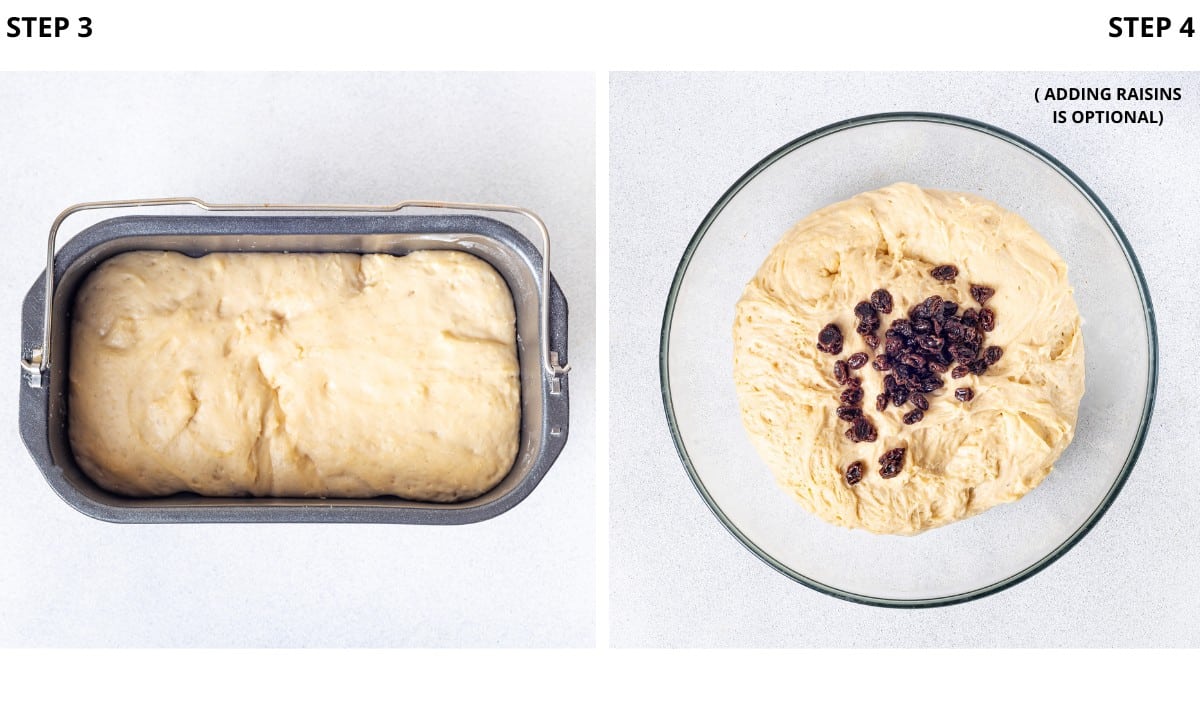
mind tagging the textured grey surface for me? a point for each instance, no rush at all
(525, 578)
(678, 578)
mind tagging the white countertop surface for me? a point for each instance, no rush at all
(678, 578)
(525, 578)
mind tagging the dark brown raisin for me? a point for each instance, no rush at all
(902, 327)
(913, 360)
(881, 401)
(893, 346)
(970, 317)
(978, 366)
(938, 366)
(891, 463)
(930, 342)
(857, 360)
(900, 396)
(881, 300)
(866, 326)
(852, 396)
(982, 293)
(930, 383)
(922, 326)
(964, 394)
(919, 401)
(960, 371)
(992, 354)
(871, 340)
(962, 352)
(853, 382)
(830, 339)
(841, 371)
(987, 320)
(914, 417)
(933, 306)
(862, 431)
(854, 472)
(949, 309)
(881, 363)
(847, 412)
(864, 310)
(944, 273)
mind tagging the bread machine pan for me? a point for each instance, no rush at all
(541, 319)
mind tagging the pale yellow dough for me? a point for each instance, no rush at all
(963, 458)
(295, 375)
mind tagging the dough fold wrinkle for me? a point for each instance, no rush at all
(962, 458)
(295, 375)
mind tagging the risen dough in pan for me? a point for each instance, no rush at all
(295, 375)
(964, 457)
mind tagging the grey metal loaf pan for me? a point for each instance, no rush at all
(544, 408)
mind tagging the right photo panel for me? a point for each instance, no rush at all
(899, 359)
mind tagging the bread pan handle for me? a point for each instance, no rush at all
(37, 360)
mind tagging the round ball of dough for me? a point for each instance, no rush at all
(962, 457)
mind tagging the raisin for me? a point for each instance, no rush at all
(864, 310)
(854, 472)
(964, 394)
(881, 300)
(922, 326)
(891, 463)
(970, 317)
(857, 360)
(881, 363)
(893, 346)
(992, 354)
(938, 366)
(919, 401)
(862, 431)
(881, 401)
(933, 306)
(848, 413)
(871, 340)
(900, 396)
(931, 383)
(830, 339)
(889, 383)
(930, 342)
(962, 352)
(987, 320)
(903, 328)
(913, 360)
(867, 326)
(914, 417)
(982, 293)
(978, 366)
(852, 396)
(841, 371)
(853, 382)
(944, 273)
(949, 309)
(959, 372)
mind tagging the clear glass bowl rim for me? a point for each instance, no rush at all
(1143, 293)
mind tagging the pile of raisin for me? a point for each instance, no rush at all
(861, 429)
(937, 334)
(937, 337)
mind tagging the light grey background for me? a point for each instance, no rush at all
(525, 578)
(678, 578)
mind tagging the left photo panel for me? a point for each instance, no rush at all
(307, 360)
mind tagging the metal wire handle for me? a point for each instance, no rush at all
(37, 361)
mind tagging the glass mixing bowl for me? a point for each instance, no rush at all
(967, 559)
